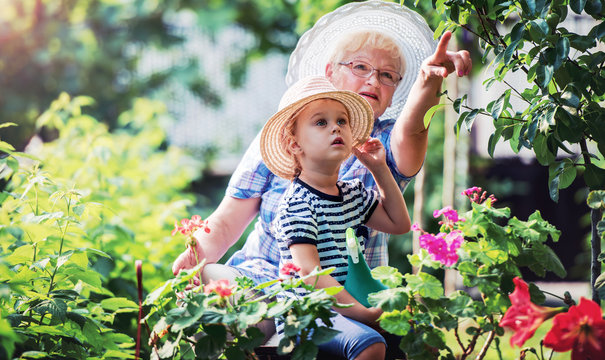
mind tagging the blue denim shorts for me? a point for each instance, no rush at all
(354, 337)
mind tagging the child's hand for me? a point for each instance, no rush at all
(371, 154)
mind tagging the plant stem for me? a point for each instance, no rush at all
(197, 262)
(139, 270)
(483, 352)
(595, 242)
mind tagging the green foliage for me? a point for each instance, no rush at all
(94, 47)
(75, 212)
(223, 325)
(494, 249)
(561, 101)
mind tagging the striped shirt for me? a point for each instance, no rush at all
(259, 256)
(308, 216)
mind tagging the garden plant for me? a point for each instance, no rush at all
(73, 212)
(558, 106)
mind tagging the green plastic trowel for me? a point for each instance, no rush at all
(360, 282)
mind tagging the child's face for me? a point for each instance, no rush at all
(323, 133)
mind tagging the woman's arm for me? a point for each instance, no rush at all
(306, 257)
(409, 138)
(226, 224)
(391, 214)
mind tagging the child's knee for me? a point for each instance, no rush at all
(373, 352)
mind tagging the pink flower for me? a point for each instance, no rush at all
(581, 330)
(221, 287)
(442, 247)
(416, 227)
(451, 216)
(188, 227)
(477, 195)
(471, 190)
(524, 317)
(289, 269)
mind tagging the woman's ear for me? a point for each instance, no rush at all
(329, 71)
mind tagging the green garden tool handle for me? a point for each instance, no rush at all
(360, 282)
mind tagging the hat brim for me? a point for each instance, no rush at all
(407, 28)
(277, 159)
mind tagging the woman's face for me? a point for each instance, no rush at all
(377, 94)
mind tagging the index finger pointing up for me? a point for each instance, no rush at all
(443, 42)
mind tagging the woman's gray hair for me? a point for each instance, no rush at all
(350, 43)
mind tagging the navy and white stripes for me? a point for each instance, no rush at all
(308, 216)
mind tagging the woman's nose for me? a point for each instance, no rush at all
(373, 79)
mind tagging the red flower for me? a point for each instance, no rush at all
(289, 268)
(581, 330)
(524, 317)
(221, 287)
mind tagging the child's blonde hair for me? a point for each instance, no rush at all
(288, 136)
(352, 42)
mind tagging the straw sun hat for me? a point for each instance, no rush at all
(404, 26)
(277, 159)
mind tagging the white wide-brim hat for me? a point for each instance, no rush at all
(407, 28)
(277, 159)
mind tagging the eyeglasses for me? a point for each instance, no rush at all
(365, 70)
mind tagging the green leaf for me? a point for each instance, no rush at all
(323, 334)
(544, 75)
(7, 124)
(498, 105)
(529, 7)
(235, 353)
(596, 199)
(21, 255)
(430, 113)
(570, 98)
(396, 322)
(425, 285)
(252, 313)
(594, 177)
(119, 303)
(305, 351)
(562, 49)
(538, 30)
(577, 5)
(458, 102)
(211, 345)
(461, 304)
(389, 299)
(6, 147)
(32, 354)
(493, 140)
(470, 118)
(388, 275)
(600, 285)
(598, 31)
(254, 338)
(510, 50)
(543, 154)
(56, 307)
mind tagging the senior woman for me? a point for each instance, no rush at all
(385, 53)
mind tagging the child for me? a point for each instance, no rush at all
(315, 130)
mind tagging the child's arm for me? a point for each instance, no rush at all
(391, 214)
(306, 257)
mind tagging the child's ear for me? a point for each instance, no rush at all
(293, 147)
